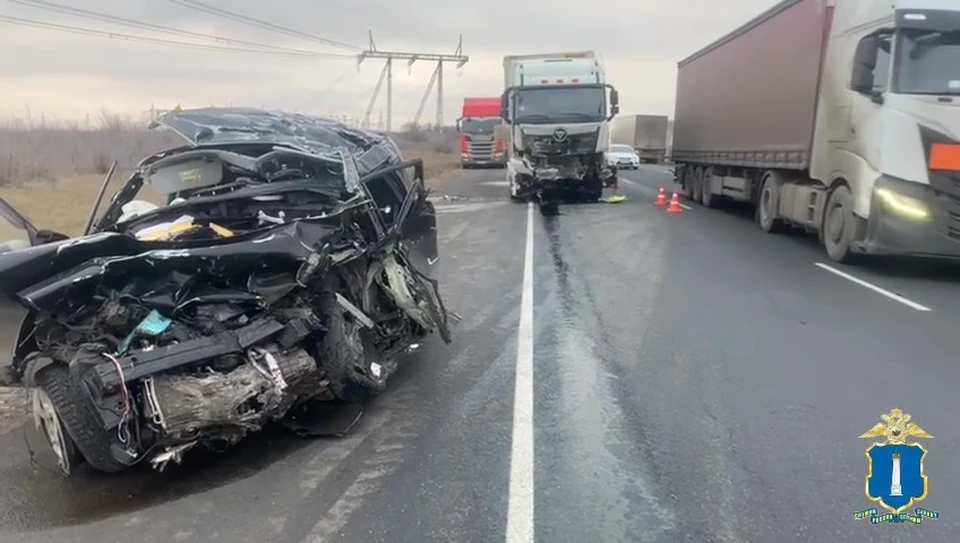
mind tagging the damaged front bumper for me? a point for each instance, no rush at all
(542, 176)
(299, 273)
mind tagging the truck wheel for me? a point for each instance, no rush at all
(594, 193)
(686, 181)
(768, 204)
(839, 226)
(61, 398)
(514, 197)
(706, 194)
(697, 195)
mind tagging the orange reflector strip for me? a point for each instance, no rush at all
(945, 157)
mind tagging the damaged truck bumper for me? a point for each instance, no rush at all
(565, 179)
(292, 264)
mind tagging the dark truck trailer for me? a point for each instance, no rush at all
(793, 113)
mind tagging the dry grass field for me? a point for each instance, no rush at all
(52, 173)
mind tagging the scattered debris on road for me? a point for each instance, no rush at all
(292, 264)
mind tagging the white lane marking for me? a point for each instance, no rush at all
(496, 183)
(645, 188)
(871, 286)
(467, 208)
(520, 508)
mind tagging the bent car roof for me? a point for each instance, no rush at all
(219, 126)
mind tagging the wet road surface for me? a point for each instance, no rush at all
(693, 379)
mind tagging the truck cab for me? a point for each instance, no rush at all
(479, 145)
(895, 143)
(558, 114)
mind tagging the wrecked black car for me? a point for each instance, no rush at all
(292, 261)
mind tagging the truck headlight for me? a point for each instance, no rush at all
(905, 206)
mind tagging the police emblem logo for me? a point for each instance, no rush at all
(895, 476)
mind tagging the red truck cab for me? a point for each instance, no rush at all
(478, 145)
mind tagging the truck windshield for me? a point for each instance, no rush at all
(560, 105)
(928, 62)
(479, 125)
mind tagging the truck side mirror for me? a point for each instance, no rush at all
(505, 106)
(458, 123)
(864, 61)
(614, 103)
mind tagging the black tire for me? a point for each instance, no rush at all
(515, 199)
(347, 352)
(78, 415)
(706, 195)
(768, 203)
(686, 181)
(839, 226)
(594, 193)
(697, 195)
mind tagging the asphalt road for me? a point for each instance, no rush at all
(681, 378)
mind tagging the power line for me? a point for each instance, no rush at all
(87, 14)
(194, 4)
(158, 41)
(458, 58)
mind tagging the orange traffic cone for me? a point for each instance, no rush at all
(661, 198)
(675, 207)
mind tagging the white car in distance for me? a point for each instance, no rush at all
(623, 157)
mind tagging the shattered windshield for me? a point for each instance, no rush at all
(928, 62)
(552, 105)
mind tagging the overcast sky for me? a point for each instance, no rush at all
(70, 76)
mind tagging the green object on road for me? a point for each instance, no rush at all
(615, 199)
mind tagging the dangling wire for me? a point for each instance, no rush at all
(123, 432)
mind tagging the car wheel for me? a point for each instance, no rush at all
(68, 419)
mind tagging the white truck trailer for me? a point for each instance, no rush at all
(647, 134)
(557, 113)
(841, 117)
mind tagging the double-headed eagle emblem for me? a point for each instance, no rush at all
(896, 428)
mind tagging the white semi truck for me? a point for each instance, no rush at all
(841, 117)
(557, 108)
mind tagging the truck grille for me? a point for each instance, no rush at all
(946, 187)
(481, 149)
(575, 144)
